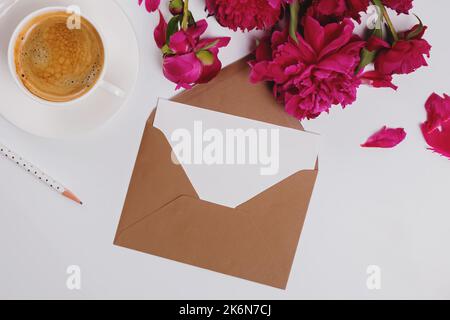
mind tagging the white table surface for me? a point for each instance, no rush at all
(370, 207)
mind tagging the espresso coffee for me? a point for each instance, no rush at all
(57, 62)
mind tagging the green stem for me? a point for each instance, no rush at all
(185, 21)
(387, 18)
(293, 24)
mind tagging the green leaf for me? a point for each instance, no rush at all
(367, 57)
(172, 27)
(294, 9)
(166, 50)
(416, 32)
(191, 20)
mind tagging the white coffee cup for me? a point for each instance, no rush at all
(101, 82)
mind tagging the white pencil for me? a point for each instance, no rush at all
(38, 174)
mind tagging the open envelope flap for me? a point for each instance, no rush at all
(231, 92)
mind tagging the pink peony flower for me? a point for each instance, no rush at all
(436, 130)
(317, 72)
(150, 5)
(189, 60)
(245, 14)
(385, 138)
(327, 11)
(401, 6)
(406, 55)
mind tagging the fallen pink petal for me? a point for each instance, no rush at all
(436, 130)
(160, 31)
(377, 80)
(386, 138)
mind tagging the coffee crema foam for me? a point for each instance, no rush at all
(56, 63)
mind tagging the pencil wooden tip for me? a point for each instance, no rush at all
(69, 194)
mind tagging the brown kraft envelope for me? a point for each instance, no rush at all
(163, 215)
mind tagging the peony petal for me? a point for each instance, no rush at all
(436, 130)
(305, 51)
(438, 111)
(278, 38)
(184, 70)
(375, 43)
(259, 72)
(211, 70)
(179, 42)
(263, 51)
(401, 6)
(337, 35)
(151, 5)
(386, 138)
(438, 140)
(274, 3)
(314, 34)
(197, 30)
(245, 14)
(160, 31)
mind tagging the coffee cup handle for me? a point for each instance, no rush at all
(5, 5)
(112, 89)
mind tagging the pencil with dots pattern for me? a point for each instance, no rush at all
(37, 173)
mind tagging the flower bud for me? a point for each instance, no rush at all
(176, 7)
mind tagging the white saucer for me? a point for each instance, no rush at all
(97, 108)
